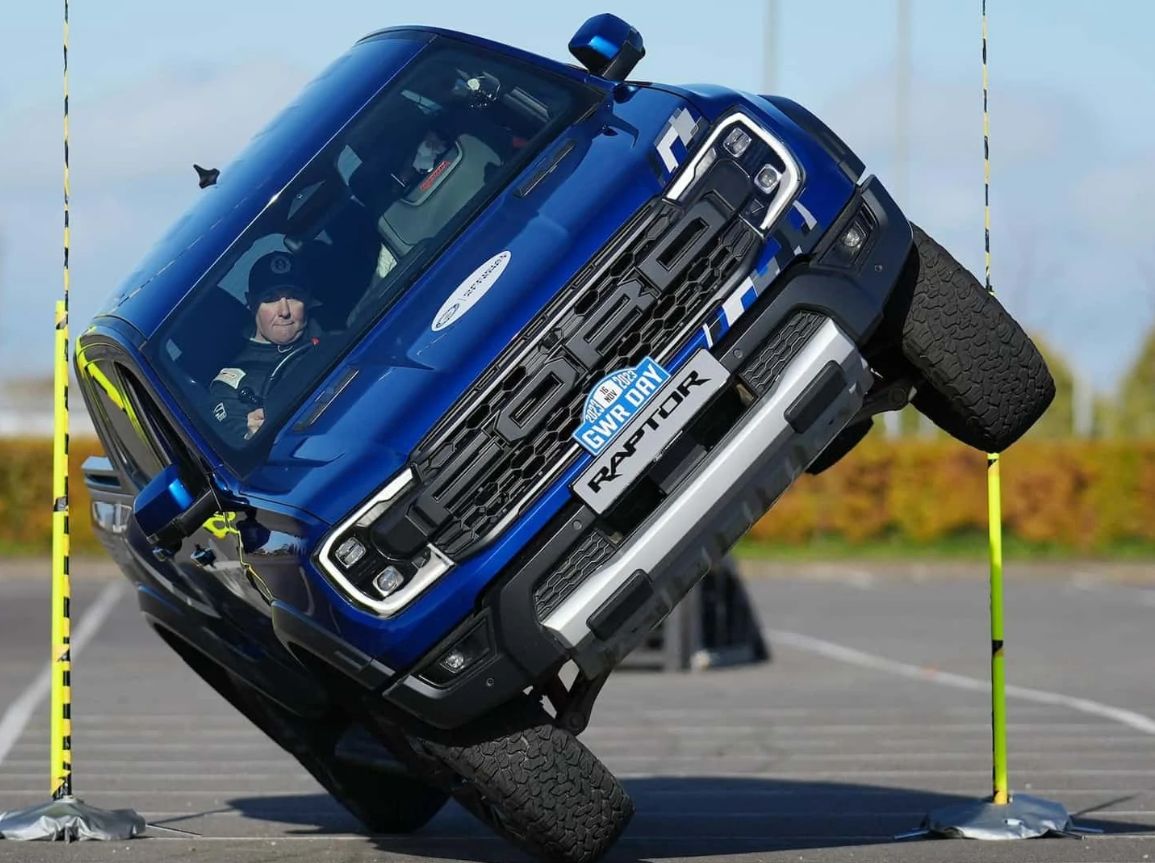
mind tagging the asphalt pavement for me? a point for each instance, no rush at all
(872, 712)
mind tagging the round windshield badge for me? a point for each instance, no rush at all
(470, 291)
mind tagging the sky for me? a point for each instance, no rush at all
(158, 86)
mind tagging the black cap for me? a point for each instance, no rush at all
(276, 275)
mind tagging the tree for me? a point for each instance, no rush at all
(1059, 420)
(1135, 410)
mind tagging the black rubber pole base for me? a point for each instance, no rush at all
(69, 820)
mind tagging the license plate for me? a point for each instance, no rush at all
(650, 431)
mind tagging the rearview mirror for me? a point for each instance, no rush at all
(167, 510)
(608, 47)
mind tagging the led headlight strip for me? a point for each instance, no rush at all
(433, 568)
(788, 183)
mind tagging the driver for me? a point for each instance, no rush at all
(280, 299)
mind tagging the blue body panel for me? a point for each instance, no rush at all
(408, 375)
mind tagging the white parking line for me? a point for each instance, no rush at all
(20, 711)
(862, 579)
(958, 681)
(1107, 589)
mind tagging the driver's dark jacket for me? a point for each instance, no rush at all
(239, 388)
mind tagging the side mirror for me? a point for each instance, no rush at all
(167, 512)
(608, 47)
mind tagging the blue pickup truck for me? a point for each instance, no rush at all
(453, 384)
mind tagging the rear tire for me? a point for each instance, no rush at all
(984, 381)
(385, 801)
(537, 785)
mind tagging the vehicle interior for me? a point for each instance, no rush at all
(367, 214)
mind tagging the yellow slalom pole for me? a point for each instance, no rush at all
(994, 501)
(61, 720)
(64, 817)
(61, 724)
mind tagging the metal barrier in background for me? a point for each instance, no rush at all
(715, 625)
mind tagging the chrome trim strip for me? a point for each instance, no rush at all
(788, 186)
(437, 565)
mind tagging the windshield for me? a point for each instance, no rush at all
(348, 236)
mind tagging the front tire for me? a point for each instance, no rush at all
(537, 785)
(983, 381)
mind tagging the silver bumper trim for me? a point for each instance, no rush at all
(763, 456)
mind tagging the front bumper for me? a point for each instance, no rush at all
(594, 583)
(817, 394)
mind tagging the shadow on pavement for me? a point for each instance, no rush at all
(692, 816)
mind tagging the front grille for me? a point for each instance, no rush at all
(509, 435)
(769, 361)
(583, 560)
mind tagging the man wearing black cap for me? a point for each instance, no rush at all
(279, 299)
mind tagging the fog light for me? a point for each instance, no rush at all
(853, 239)
(466, 654)
(454, 661)
(853, 242)
(389, 580)
(736, 142)
(767, 178)
(350, 551)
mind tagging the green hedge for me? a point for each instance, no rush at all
(1083, 496)
(26, 496)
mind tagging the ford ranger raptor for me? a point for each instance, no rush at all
(569, 336)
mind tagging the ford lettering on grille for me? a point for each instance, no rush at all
(513, 432)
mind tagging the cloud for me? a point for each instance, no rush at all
(1116, 197)
(132, 155)
(1067, 221)
(177, 116)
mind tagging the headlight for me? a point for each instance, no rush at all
(767, 179)
(383, 582)
(737, 141)
(349, 552)
(771, 167)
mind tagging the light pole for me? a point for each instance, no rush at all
(770, 48)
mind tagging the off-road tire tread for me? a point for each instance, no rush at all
(542, 788)
(986, 382)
